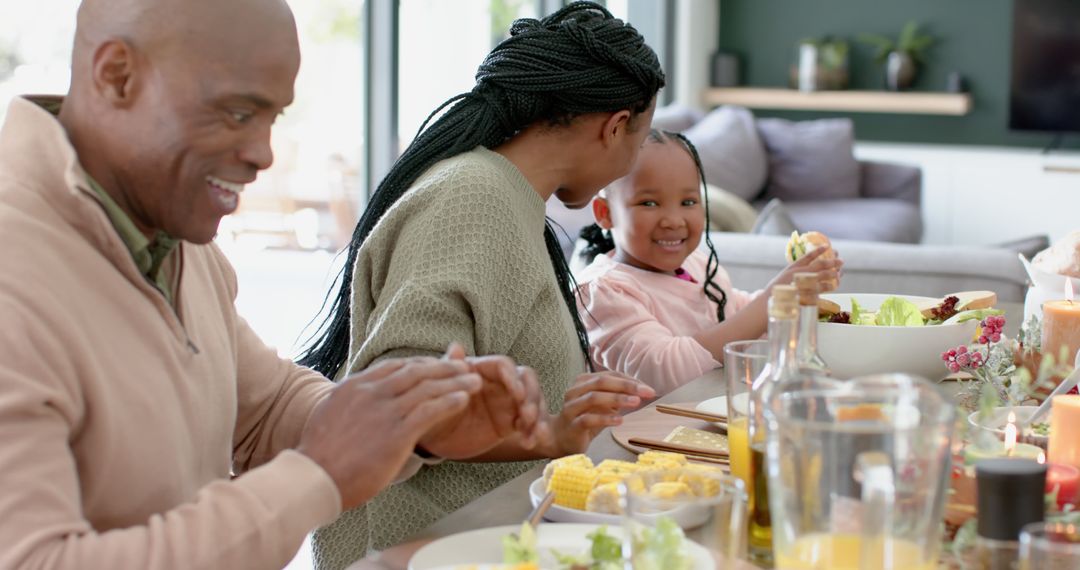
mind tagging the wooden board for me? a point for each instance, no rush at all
(651, 424)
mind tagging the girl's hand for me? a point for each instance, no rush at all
(828, 270)
(595, 401)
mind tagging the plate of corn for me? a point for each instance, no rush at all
(588, 493)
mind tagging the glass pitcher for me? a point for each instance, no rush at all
(858, 472)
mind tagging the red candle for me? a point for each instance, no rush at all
(1067, 480)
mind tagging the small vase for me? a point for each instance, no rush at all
(899, 71)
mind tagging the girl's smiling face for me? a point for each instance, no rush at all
(655, 212)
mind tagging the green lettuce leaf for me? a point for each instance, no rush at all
(798, 246)
(605, 548)
(979, 314)
(860, 316)
(899, 312)
(519, 548)
(661, 547)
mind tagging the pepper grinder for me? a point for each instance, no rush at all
(1010, 495)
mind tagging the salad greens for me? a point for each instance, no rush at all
(659, 548)
(605, 554)
(519, 548)
(900, 312)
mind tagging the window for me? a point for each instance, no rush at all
(312, 195)
(440, 46)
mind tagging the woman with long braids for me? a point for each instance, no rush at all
(656, 307)
(454, 246)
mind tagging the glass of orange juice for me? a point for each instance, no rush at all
(743, 362)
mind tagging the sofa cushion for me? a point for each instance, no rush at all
(774, 220)
(732, 154)
(728, 212)
(870, 219)
(675, 117)
(810, 160)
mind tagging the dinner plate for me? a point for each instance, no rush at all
(719, 406)
(687, 517)
(484, 546)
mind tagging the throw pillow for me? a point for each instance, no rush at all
(731, 151)
(774, 220)
(675, 118)
(728, 212)
(810, 160)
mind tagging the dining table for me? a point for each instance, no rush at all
(509, 503)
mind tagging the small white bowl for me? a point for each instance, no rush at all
(688, 517)
(856, 350)
(997, 418)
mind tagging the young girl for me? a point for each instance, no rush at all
(655, 306)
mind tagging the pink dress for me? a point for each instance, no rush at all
(640, 322)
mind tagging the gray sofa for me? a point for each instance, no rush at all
(869, 267)
(810, 166)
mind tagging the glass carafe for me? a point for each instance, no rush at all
(858, 472)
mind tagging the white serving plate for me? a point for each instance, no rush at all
(484, 546)
(719, 406)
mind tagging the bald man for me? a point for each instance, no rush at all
(142, 422)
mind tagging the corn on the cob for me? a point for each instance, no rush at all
(571, 484)
(579, 459)
(613, 471)
(604, 499)
(652, 457)
(702, 482)
(670, 490)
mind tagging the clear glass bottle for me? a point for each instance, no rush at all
(808, 356)
(781, 367)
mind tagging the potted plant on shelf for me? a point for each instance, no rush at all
(902, 57)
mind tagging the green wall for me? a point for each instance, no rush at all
(973, 38)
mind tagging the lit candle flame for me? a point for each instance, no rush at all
(1010, 435)
(1041, 458)
(1068, 290)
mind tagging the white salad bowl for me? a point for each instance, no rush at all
(858, 350)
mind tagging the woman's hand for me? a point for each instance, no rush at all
(828, 270)
(595, 401)
(508, 404)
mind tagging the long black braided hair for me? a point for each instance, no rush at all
(597, 241)
(578, 60)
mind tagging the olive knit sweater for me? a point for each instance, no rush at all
(461, 257)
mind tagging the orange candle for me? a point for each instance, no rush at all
(1061, 326)
(1065, 430)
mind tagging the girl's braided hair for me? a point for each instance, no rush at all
(578, 60)
(598, 242)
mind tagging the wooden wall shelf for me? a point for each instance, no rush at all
(917, 103)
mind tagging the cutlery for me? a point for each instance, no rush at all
(541, 508)
(690, 413)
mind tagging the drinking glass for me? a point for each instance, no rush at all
(858, 472)
(661, 503)
(1050, 546)
(743, 362)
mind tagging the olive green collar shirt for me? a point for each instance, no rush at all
(148, 254)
